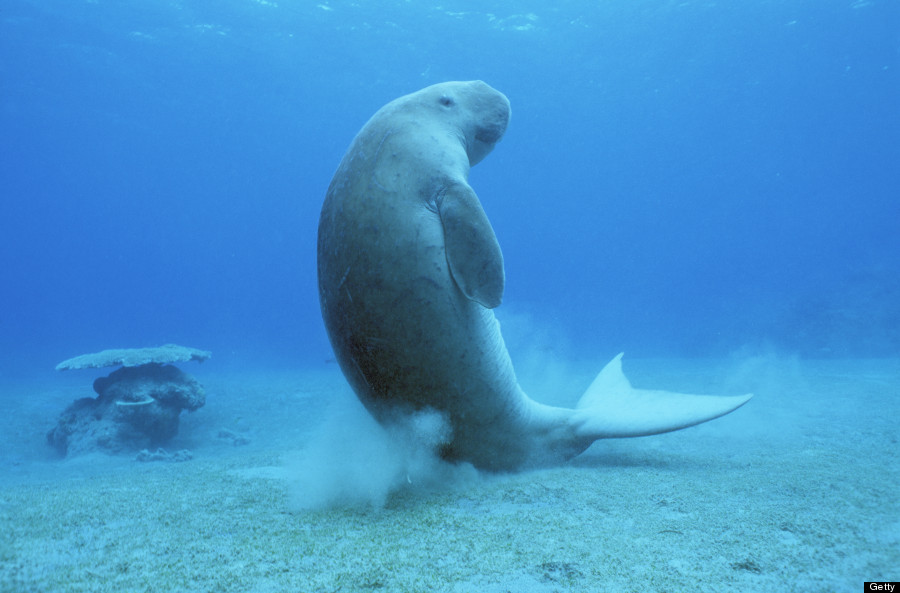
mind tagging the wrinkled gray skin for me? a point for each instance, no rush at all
(409, 269)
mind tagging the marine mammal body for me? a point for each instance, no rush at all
(409, 270)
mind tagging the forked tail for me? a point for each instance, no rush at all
(612, 408)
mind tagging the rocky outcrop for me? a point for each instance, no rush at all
(137, 407)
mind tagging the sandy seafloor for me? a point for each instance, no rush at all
(797, 491)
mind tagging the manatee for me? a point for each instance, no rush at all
(409, 272)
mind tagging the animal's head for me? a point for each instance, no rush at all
(479, 113)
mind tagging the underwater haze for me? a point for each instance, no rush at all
(678, 178)
(712, 187)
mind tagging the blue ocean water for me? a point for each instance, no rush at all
(678, 178)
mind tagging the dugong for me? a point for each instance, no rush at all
(409, 270)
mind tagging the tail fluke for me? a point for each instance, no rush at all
(612, 408)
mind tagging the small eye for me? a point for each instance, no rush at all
(447, 101)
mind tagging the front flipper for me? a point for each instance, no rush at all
(472, 249)
(612, 408)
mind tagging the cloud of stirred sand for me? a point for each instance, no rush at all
(352, 461)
